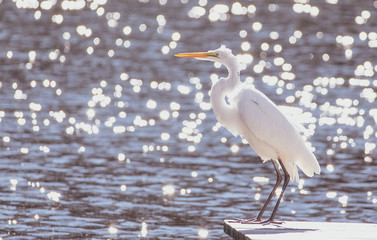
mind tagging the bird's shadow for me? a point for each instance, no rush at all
(263, 229)
(274, 230)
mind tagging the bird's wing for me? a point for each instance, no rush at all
(263, 118)
(270, 126)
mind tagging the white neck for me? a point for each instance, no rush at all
(225, 112)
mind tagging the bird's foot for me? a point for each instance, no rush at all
(271, 221)
(246, 221)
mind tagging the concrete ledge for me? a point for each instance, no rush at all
(301, 230)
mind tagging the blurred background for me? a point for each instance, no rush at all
(105, 134)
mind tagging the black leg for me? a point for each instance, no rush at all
(278, 181)
(286, 181)
(258, 219)
(279, 178)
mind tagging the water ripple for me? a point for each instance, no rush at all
(105, 134)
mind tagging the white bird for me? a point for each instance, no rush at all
(248, 112)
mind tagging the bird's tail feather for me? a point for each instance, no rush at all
(292, 170)
(308, 163)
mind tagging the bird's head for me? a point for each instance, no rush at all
(222, 55)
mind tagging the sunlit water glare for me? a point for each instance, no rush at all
(104, 134)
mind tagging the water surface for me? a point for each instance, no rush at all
(104, 134)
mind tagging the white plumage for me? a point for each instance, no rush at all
(249, 113)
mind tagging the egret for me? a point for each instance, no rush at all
(247, 112)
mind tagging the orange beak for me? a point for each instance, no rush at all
(197, 54)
